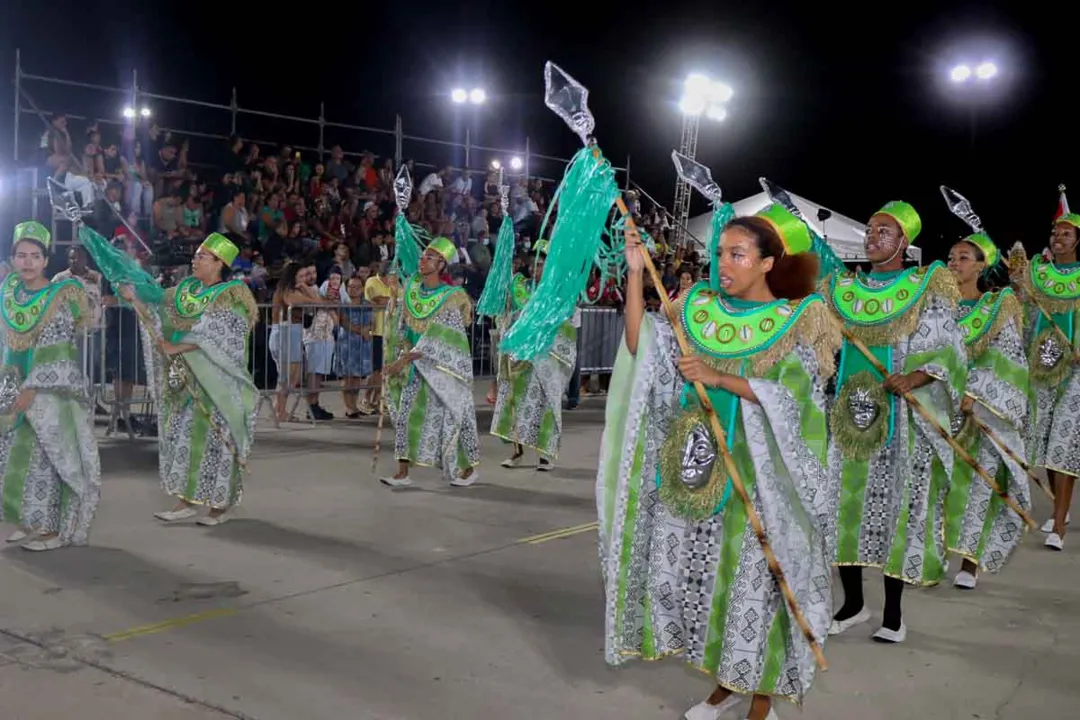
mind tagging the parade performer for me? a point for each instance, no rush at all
(684, 572)
(430, 376)
(1051, 294)
(981, 528)
(195, 340)
(527, 395)
(889, 467)
(50, 473)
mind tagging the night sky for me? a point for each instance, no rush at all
(849, 109)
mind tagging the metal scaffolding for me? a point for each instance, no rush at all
(136, 96)
(683, 191)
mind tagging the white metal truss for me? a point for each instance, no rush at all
(683, 191)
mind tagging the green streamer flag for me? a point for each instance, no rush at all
(408, 245)
(830, 261)
(495, 298)
(119, 268)
(584, 199)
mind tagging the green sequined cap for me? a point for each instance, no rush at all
(221, 247)
(32, 230)
(1069, 218)
(792, 231)
(989, 250)
(905, 216)
(444, 247)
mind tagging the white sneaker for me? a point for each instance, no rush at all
(53, 543)
(544, 465)
(460, 481)
(1055, 541)
(396, 482)
(704, 711)
(885, 635)
(211, 521)
(840, 626)
(173, 515)
(1048, 526)
(18, 536)
(512, 462)
(965, 580)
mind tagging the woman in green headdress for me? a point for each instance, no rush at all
(430, 378)
(196, 352)
(1052, 287)
(528, 395)
(889, 468)
(50, 474)
(981, 528)
(683, 570)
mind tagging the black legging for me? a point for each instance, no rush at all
(851, 580)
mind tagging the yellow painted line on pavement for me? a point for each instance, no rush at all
(186, 620)
(557, 534)
(169, 624)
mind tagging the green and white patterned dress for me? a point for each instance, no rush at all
(981, 527)
(528, 406)
(889, 469)
(431, 402)
(198, 456)
(50, 473)
(1053, 441)
(682, 567)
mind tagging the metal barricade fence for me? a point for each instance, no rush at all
(296, 353)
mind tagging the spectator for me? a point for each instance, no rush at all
(169, 216)
(79, 269)
(234, 219)
(61, 164)
(105, 218)
(138, 190)
(194, 218)
(165, 172)
(336, 168)
(432, 182)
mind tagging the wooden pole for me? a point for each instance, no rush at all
(956, 447)
(729, 461)
(989, 432)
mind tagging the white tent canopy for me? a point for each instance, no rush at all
(844, 235)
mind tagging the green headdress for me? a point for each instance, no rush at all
(905, 216)
(989, 250)
(584, 200)
(828, 261)
(444, 247)
(1070, 218)
(32, 230)
(793, 232)
(220, 247)
(541, 247)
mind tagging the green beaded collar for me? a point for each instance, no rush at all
(421, 302)
(718, 329)
(980, 317)
(860, 304)
(1058, 284)
(192, 297)
(23, 317)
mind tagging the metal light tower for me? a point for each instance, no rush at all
(701, 96)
